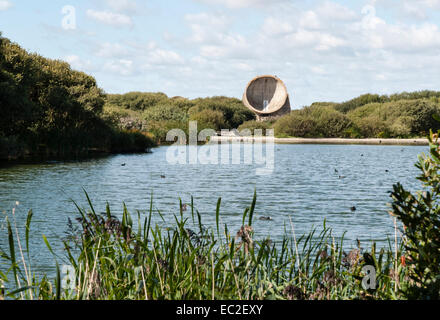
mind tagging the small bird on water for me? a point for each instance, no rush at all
(353, 209)
(266, 219)
(163, 177)
(123, 165)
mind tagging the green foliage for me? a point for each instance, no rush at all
(124, 141)
(166, 112)
(420, 215)
(162, 114)
(296, 125)
(159, 129)
(233, 110)
(359, 102)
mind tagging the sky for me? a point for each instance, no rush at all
(324, 50)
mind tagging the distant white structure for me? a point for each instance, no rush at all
(267, 97)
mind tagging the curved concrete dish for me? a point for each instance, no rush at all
(267, 96)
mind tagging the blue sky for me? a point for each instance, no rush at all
(325, 50)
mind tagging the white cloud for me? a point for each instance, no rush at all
(5, 5)
(121, 67)
(79, 64)
(207, 28)
(237, 4)
(335, 12)
(274, 27)
(321, 44)
(401, 38)
(110, 18)
(418, 9)
(164, 57)
(435, 4)
(310, 20)
(414, 9)
(112, 50)
(318, 70)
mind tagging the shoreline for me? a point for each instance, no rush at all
(330, 141)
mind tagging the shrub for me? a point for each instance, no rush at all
(420, 215)
(295, 125)
(124, 141)
(137, 101)
(209, 119)
(233, 110)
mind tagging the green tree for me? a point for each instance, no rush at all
(420, 216)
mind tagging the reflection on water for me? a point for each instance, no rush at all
(310, 183)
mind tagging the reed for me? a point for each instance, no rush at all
(117, 259)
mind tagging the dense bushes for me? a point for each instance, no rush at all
(401, 115)
(136, 100)
(161, 114)
(233, 110)
(49, 109)
(209, 119)
(419, 214)
(314, 121)
(398, 116)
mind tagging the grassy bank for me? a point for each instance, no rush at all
(122, 259)
(400, 116)
(117, 259)
(406, 115)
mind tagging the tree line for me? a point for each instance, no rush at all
(48, 109)
(404, 115)
(157, 113)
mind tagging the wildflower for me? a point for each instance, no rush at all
(323, 255)
(245, 234)
(352, 258)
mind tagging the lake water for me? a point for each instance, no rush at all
(304, 185)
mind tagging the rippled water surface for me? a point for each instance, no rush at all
(304, 186)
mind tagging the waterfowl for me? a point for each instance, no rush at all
(353, 209)
(163, 177)
(266, 219)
